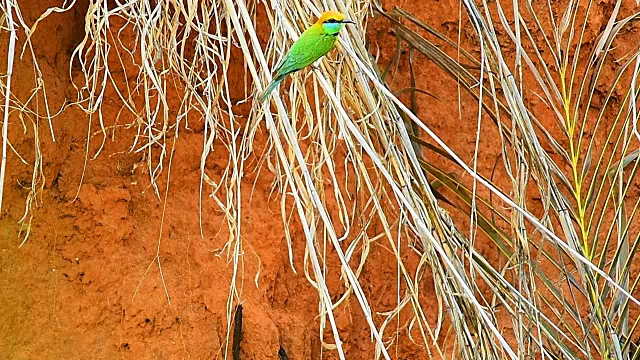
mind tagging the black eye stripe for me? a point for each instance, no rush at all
(331, 21)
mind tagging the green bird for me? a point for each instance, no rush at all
(313, 44)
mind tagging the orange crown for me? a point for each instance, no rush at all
(330, 15)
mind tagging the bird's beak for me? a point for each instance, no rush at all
(347, 22)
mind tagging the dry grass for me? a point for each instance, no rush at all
(588, 241)
(183, 49)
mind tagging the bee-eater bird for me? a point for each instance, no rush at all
(313, 44)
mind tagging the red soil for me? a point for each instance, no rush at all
(85, 284)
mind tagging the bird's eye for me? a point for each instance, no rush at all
(331, 21)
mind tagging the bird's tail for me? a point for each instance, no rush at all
(269, 89)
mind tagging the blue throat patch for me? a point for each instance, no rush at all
(332, 28)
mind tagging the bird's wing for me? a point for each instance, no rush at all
(309, 48)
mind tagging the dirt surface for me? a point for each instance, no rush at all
(86, 285)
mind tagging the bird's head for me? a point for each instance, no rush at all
(332, 22)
